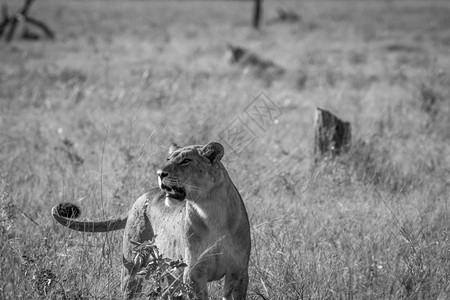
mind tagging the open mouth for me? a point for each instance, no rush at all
(174, 192)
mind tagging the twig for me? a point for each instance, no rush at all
(12, 28)
(5, 19)
(42, 26)
(31, 219)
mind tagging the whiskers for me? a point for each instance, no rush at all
(171, 182)
(193, 187)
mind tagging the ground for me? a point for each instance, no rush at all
(88, 118)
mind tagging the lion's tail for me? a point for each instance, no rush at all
(101, 226)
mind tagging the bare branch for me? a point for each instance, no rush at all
(50, 34)
(9, 24)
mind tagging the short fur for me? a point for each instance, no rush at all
(198, 215)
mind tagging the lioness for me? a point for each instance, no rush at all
(197, 215)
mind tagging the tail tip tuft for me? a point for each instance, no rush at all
(68, 210)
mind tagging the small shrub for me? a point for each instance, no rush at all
(71, 76)
(164, 274)
(429, 98)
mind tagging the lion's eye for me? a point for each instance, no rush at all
(185, 161)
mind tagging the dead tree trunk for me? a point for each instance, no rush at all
(257, 12)
(332, 135)
(8, 24)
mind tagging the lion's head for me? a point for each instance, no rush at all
(191, 172)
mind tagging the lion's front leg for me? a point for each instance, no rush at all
(138, 230)
(198, 282)
(236, 285)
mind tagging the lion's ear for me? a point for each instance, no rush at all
(173, 148)
(213, 151)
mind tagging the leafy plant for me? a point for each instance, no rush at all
(164, 273)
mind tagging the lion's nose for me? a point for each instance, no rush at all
(162, 174)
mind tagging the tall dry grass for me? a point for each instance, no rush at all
(88, 118)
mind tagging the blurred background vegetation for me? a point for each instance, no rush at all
(87, 118)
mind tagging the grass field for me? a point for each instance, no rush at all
(88, 118)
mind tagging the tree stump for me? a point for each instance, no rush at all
(332, 135)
